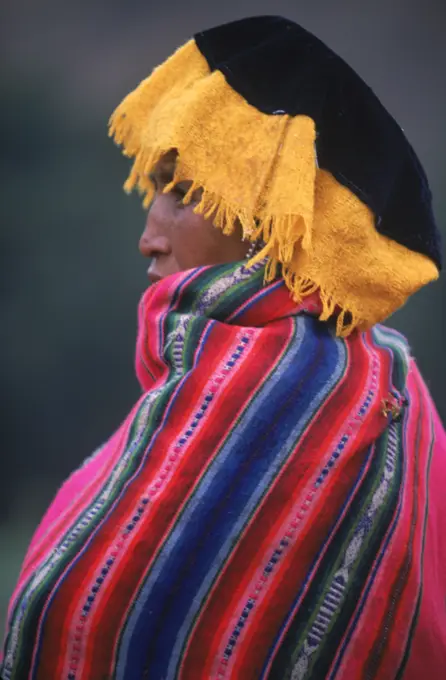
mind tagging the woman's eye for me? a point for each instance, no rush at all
(154, 182)
(179, 193)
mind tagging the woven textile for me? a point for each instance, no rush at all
(272, 507)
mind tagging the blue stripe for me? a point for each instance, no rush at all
(233, 486)
(254, 300)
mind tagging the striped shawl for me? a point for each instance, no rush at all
(272, 507)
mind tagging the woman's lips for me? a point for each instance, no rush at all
(153, 276)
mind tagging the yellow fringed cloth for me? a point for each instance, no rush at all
(261, 171)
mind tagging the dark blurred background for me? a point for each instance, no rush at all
(72, 275)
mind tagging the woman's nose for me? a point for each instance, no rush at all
(154, 241)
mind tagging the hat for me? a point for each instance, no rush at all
(283, 137)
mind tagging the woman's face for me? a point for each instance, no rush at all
(175, 238)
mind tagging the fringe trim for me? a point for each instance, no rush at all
(282, 235)
(347, 320)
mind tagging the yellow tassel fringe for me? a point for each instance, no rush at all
(260, 171)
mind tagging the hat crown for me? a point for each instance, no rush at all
(280, 68)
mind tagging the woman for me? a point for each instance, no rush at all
(273, 505)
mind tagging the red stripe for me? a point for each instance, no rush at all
(427, 652)
(368, 630)
(407, 597)
(124, 581)
(226, 598)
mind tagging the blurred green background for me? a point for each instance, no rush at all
(72, 274)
